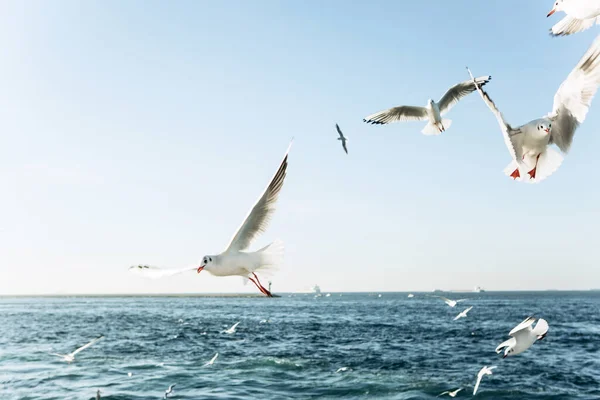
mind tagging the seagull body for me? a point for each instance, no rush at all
(169, 391)
(451, 394)
(432, 112)
(482, 372)
(451, 303)
(212, 360)
(523, 337)
(232, 329)
(581, 15)
(71, 356)
(342, 138)
(533, 159)
(463, 314)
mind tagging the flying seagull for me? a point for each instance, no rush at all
(169, 391)
(463, 314)
(232, 329)
(449, 393)
(71, 356)
(482, 372)
(342, 138)
(212, 360)
(451, 303)
(432, 112)
(581, 15)
(529, 144)
(523, 337)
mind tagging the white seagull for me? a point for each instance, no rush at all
(581, 15)
(232, 329)
(529, 144)
(463, 314)
(342, 138)
(482, 372)
(212, 360)
(451, 303)
(523, 337)
(235, 260)
(432, 112)
(71, 356)
(169, 391)
(449, 393)
(410, 296)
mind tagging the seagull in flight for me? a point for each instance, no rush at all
(432, 112)
(232, 329)
(523, 337)
(581, 15)
(169, 391)
(212, 360)
(71, 356)
(451, 303)
(463, 314)
(480, 374)
(342, 138)
(449, 393)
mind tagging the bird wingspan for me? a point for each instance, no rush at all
(259, 216)
(85, 346)
(396, 114)
(569, 25)
(458, 91)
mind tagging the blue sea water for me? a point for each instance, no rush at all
(393, 347)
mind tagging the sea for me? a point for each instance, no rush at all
(297, 346)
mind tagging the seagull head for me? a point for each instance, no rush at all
(207, 262)
(508, 351)
(558, 6)
(544, 127)
(430, 102)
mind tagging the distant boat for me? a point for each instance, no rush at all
(478, 289)
(411, 295)
(317, 291)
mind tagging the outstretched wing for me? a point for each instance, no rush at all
(510, 342)
(396, 114)
(86, 346)
(569, 25)
(574, 96)
(339, 131)
(512, 137)
(479, 376)
(257, 220)
(148, 271)
(344, 146)
(458, 91)
(526, 324)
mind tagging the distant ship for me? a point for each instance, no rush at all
(317, 291)
(478, 289)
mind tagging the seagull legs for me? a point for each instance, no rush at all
(516, 174)
(260, 286)
(534, 170)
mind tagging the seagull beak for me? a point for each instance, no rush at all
(200, 269)
(551, 12)
(547, 130)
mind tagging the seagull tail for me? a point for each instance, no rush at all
(270, 257)
(436, 129)
(549, 162)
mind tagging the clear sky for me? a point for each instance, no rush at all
(143, 131)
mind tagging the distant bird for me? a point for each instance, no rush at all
(212, 360)
(482, 372)
(451, 303)
(343, 369)
(410, 296)
(523, 337)
(236, 260)
(98, 394)
(449, 393)
(581, 15)
(71, 356)
(463, 314)
(169, 391)
(232, 329)
(342, 138)
(432, 112)
(529, 144)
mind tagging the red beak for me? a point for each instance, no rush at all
(551, 12)
(200, 269)
(547, 130)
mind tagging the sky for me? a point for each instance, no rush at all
(142, 132)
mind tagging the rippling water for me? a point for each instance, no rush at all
(393, 347)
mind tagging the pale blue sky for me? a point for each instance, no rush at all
(143, 131)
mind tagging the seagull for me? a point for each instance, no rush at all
(212, 360)
(581, 15)
(410, 296)
(232, 329)
(432, 112)
(342, 138)
(235, 260)
(463, 314)
(529, 144)
(451, 303)
(343, 369)
(169, 391)
(71, 356)
(523, 337)
(482, 372)
(449, 393)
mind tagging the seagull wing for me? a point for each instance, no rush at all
(509, 343)
(212, 360)
(479, 376)
(569, 25)
(458, 316)
(468, 309)
(339, 131)
(85, 346)
(459, 300)
(258, 218)
(541, 328)
(512, 137)
(443, 393)
(156, 272)
(396, 114)
(574, 96)
(234, 326)
(458, 91)
(344, 146)
(526, 324)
